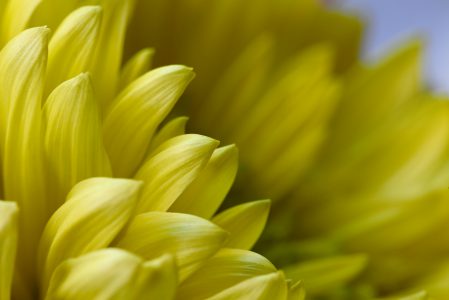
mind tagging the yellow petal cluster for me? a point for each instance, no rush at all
(106, 198)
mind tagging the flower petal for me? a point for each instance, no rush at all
(95, 212)
(322, 275)
(73, 137)
(296, 292)
(22, 73)
(106, 69)
(134, 116)
(190, 239)
(173, 167)
(263, 287)
(225, 269)
(170, 130)
(113, 274)
(8, 246)
(15, 17)
(72, 47)
(206, 193)
(135, 67)
(244, 222)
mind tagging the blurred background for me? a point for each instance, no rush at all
(392, 21)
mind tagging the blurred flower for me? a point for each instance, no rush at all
(71, 119)
(354, 156)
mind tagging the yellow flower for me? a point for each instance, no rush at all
(354, 156)
(104, 202)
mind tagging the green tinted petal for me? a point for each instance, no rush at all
(190, 239)
(206, 193)
(244, 222)
(133, 118)
(94, 213)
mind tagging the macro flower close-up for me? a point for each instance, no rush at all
(216, 149)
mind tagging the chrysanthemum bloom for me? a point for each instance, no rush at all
(103, 202)
(355, 156)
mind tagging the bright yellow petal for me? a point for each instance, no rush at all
(72, 46)
(73, 138)
(8, 246)
(264, 287)
(190, 239)
(206, 193)
(94, 213)
(22, 73)
(224, 270)
(113, 274)
(244, 222)
(134, 116)
(135, 67)
(15, 18)
(173, 167)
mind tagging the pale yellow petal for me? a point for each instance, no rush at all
(22, 73)
(134, 116)
(73, 138)
(113, 274)
(206, 193)
(94, 213)
(225, 269)
(8, 246)
(71, 48)
(135, 67)
(190, 239)
(244, 222)
(173, 167)
(264, 287)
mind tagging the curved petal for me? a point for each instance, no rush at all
(244, 222)
(190, 239)
(94, 213)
